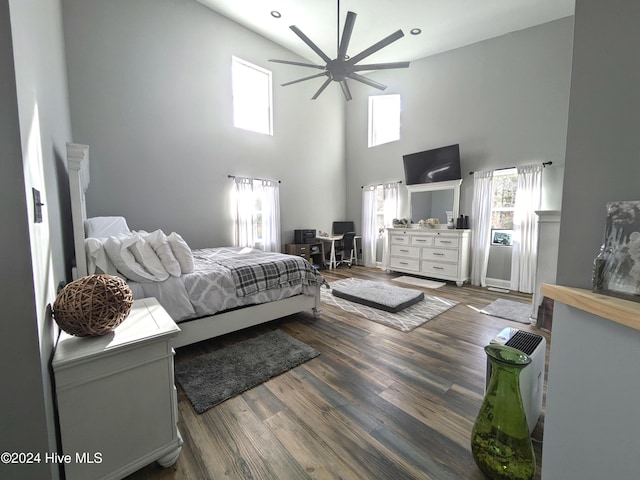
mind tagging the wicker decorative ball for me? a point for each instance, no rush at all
(92, 305)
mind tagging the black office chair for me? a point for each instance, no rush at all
(347, 249)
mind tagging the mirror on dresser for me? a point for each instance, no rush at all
(433, 200)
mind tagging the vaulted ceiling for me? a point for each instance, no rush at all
(445, 24)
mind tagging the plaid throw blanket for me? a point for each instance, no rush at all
(256, 271)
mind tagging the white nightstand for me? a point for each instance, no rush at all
(117, 402)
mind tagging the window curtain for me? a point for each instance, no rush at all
(244, 201)
(369, 225)
(390, 209)
(481, 232)
(253, 228)
(270, 215)
(525, 228)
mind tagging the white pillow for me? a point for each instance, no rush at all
(145, 255)
(122, 258)
(181, 251)
(97, 259)
(159, 243)
(103, 227)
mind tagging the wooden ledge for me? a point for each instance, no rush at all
(615, 309)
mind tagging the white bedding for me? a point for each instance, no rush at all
(205, 288)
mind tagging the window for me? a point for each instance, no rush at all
(257, 214)
(505, 183)
(384, 119)
(252, 100)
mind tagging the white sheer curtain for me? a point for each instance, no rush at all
(270, 191)
(257, 214)
(481, 228)
(525, 228)
(390, 209)
(244, 212)
(369, 225)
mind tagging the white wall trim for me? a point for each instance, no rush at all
(499, 283)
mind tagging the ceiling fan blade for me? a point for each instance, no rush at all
(305, 78)
(346, 34)
(345, 90)
(367, 81)
(376, 46)
(321, 89)
(311, 45)
(380, 66)
(299, 64)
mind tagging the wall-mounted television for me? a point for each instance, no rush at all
(437, 165)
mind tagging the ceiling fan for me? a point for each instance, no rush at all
(343, 66)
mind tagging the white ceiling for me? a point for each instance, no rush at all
(445, 24)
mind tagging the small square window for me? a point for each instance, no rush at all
(384, 119)
(252, 99)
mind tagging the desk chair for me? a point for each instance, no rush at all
(347, 249)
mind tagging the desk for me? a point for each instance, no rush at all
(332, 240)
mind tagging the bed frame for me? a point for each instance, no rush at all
(195, 330)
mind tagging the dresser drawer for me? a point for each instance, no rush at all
(447, 242)
(434, 268)
(439, 254)
(423, 241)
(412, 264)
(399, 239)
(405, 251)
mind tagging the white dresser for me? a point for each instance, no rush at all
(435, 253)
(116, 397)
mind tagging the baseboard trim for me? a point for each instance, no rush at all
(499, 283)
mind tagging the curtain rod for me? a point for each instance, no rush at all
(252, 178)
(544, 164)
(378, 184)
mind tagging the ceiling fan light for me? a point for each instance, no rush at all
(415, 31)
(276, 14)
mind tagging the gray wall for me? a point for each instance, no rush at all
(602, 141)
(504, 100)
(150, 84)
(34, 126)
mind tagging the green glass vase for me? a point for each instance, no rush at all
(500, 441)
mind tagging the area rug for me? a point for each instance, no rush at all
(509, 310)
(212, 378)
(405, 320)
(418, 282)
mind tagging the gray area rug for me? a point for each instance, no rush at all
(405, 320)
(212, 378)
(509, 310)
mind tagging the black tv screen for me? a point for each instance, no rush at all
(437, 165)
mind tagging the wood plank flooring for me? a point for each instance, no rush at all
(376, 404)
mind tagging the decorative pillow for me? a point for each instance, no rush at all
(181, 251)
(145, 255)
(122, 258)
(103, 227)
(159, 243)
(97, 259)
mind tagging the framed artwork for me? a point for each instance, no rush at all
(502, 237)
(616, 269)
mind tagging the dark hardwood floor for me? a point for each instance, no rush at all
(376, 404)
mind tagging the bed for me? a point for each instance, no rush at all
(211, 291)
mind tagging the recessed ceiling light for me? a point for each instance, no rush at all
(415, 31)
(275, 14)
